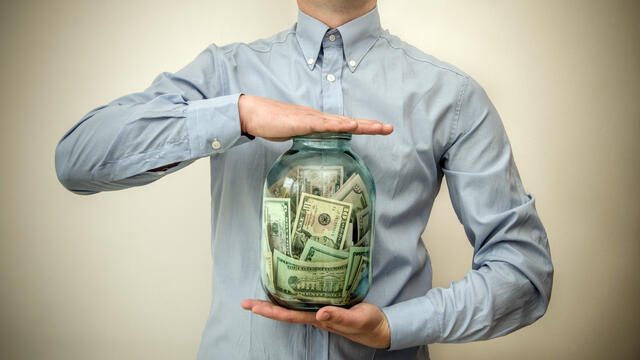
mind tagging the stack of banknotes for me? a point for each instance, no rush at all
(316, 231)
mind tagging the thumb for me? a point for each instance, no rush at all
(337, 317)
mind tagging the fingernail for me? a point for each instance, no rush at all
(324, 316)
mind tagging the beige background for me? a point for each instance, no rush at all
(125, 275)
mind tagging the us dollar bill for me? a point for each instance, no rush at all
(323, 220)
(363, 221)
(317, 252)
(314, 280)
(355, 257)
(359, 281)
(349, 284)
(267, 263)
(365, 239)
(320, 180)
(354, 192)
(277, 224)
(267, 274)
(285, 186)
(349, 239)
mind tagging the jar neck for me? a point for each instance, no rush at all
(323, 141)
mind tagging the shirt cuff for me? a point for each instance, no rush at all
(213, 125)
(412, 323)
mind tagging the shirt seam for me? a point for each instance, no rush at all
(461, 93)
(383, 36)
(456, 120)
(271, 44)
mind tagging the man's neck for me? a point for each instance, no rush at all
(336, 12)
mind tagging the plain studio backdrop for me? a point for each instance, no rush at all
(126, 275)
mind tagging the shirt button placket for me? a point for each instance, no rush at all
(332, 64)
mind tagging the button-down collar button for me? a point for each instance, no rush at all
(215, 145)
(352, 63)
(331, 78)
(332, 37)
(310, 61)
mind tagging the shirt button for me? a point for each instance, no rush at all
(216, 145)
(332, 37)
(352, 63)
(310, 61)
(331, 78)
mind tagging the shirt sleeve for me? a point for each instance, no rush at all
(181, 117)
(509, 285)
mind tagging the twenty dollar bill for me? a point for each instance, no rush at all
(323, 220)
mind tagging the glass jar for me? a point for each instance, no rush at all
(317, 225)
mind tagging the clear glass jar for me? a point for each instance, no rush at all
(318, 225)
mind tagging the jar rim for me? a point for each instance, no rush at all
(324, 136)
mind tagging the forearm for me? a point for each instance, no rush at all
(179, 118)
(117, 146)
(508, 288)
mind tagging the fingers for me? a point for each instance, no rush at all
(275, 312)
(336, 123)
(333, 124)
(250, 303)
(373, 127)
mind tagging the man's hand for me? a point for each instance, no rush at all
(364, 323)
(278, 121)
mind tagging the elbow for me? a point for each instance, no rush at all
(548, 286)
(71, 176)
(543, 286)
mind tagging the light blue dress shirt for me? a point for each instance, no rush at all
(445, 125)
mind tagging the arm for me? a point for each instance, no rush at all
(175, 120)
(181, 117)
(509, 285)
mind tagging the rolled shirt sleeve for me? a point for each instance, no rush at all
(509, 285)
(181, 117)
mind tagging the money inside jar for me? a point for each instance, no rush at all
(316, 236)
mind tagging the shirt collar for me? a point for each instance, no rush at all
(358, 36)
